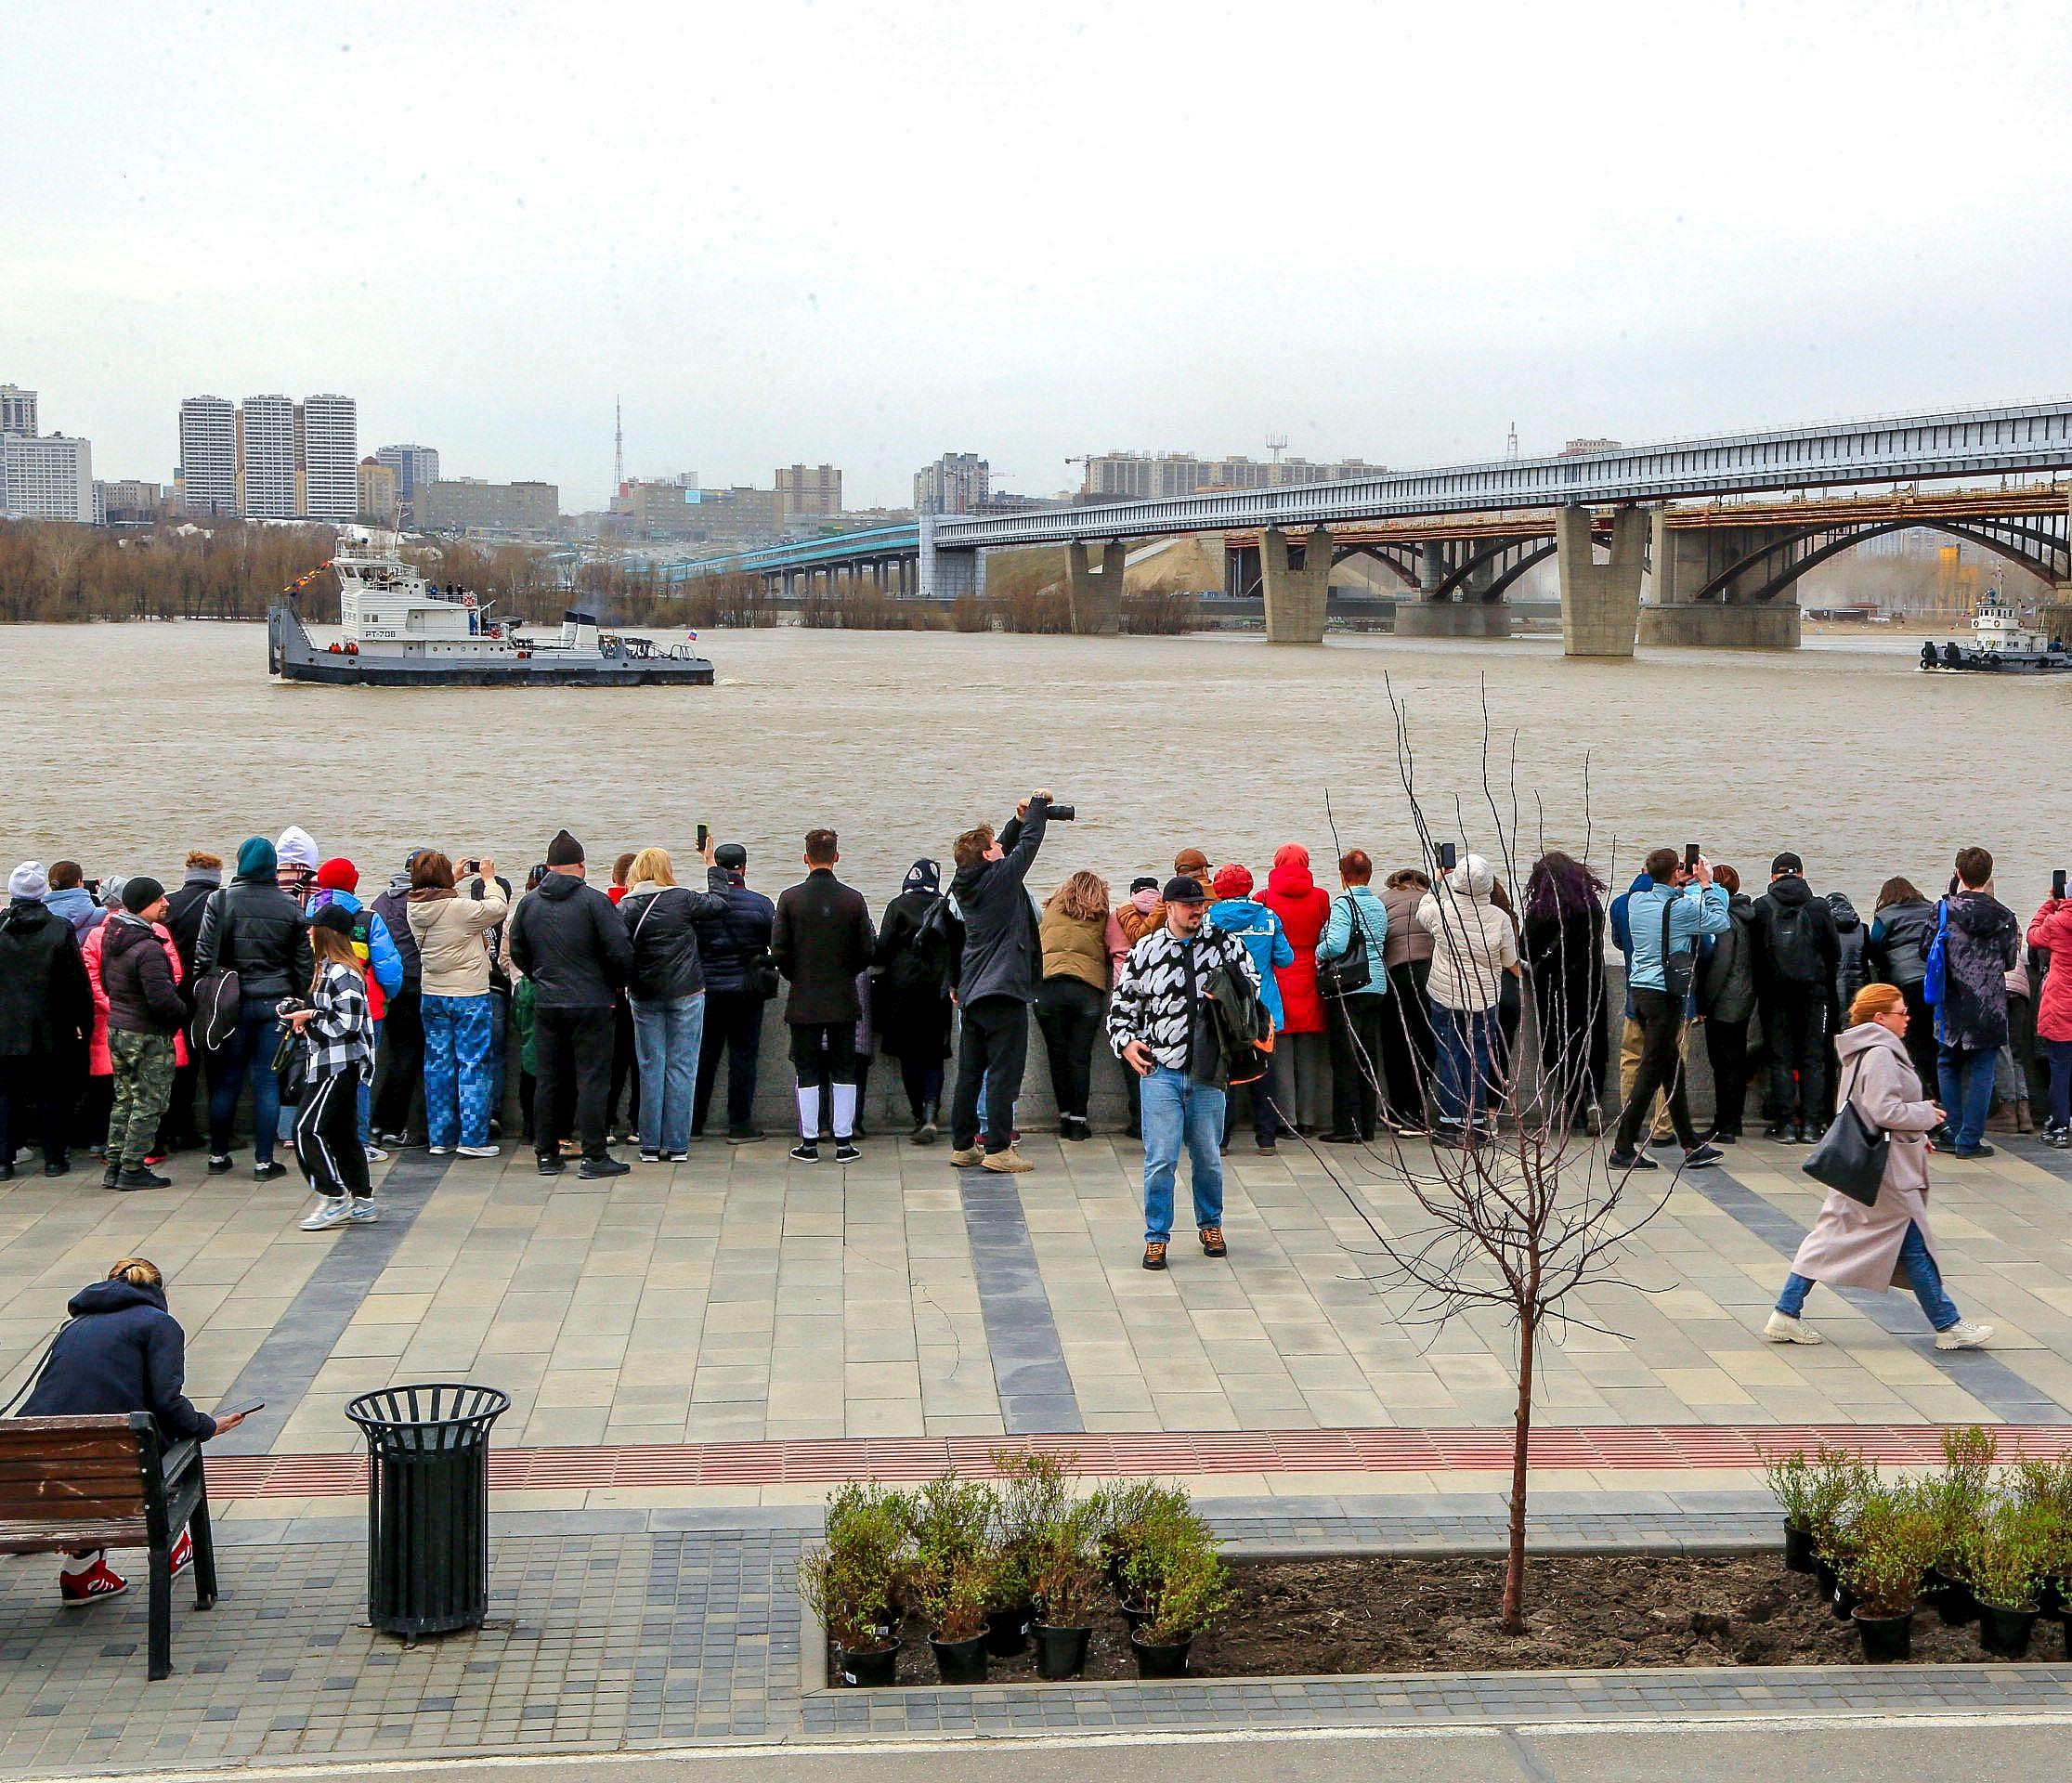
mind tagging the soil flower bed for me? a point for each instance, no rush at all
(1591, 1612)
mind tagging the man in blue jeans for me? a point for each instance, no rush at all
(1156, 1021)
(1980, 948)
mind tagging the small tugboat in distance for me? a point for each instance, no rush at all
(2000, 644)
(399, 630)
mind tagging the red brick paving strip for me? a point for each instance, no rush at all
(1619, 1448)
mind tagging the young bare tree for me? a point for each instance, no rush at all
(1520, 1212)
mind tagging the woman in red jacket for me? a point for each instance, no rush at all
(2051, 931)
(1294, 895)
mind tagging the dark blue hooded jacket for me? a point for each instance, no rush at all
(123, 1352)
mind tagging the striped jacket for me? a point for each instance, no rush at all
(341, 1037)
(1151, 1001)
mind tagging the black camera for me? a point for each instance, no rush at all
(1062, 813)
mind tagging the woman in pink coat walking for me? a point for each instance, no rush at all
(1888, 1244)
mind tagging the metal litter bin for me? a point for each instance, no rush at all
(428, 1504)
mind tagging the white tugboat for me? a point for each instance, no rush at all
(399, 630)
(1999, 643)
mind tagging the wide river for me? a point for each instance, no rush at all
(125, 745)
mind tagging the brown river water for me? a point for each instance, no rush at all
(123, 746)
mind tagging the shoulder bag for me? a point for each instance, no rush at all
(1851, 1155)
(759, 965)
(1676, 969)
(1352, 970)
(217, 997)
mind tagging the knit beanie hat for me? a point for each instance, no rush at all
(29, 882)
(1233, 881)
(112, 892)
(564, 850)
(296, 848)
(256, 859)
(338, 874)
(140, 893)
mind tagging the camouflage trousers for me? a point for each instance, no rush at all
(143, 1087)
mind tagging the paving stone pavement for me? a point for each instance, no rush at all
(742, 1297)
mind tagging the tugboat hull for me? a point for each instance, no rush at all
(293, 656)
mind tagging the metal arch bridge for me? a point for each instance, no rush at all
(1895, 448)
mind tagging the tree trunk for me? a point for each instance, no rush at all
(1522, 1431)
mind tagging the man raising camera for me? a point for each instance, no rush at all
(997, 981)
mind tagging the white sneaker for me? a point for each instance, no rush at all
(331, 1211)
(441, 1150)
(478, 1151)
(1784, 1329)
(375, 1154)
(1963, 1334)
(365, 1212)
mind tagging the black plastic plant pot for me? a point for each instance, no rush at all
(871, 1668)
(1842, 1599)
(2005, 1632)
(1886, 1638)
(427, 1504)
(960, 1662)
(1007, 1632)
(1136, 1615)
(1952, 1599)
(1798, 1548)
(1823, 1570)
(1160, 1659)
(2049, 1599)
(1060, 1653)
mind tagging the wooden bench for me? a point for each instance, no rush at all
(109, 1482)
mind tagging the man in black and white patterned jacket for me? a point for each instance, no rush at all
(1151, 1026)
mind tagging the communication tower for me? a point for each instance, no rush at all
(1511, 442)
(1277, 444)
(618, 448)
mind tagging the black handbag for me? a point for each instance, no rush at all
(291, 1064)
(1352, 970)
(1676, 969)
(1851, 1155)
(217, 998)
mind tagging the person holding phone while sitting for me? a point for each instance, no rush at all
(122, 1352)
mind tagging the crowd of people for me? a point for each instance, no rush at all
(1393, 1005)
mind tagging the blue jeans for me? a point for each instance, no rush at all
(457, 1034)
(1967, 1085)
(248, 1052)
(367, 1094)
(668, 1033)
(1467, 1069)
(1921, 1273)
(1177, 1109)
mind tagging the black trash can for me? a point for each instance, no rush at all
(428, 1504)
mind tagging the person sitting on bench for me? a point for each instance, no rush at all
(122, 1352)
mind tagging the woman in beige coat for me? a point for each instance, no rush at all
(452, 926)
(1887, 1244)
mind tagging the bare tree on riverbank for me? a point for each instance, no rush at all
(1532, 1214)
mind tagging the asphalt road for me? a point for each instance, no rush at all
(1688, 1752)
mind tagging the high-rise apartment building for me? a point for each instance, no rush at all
(209, 456)
(956, 483)
(463, 504)
(327, 442)
(1141, 476)
(47, 479)
(267, 459)
(379, 492)
(18, 410)
(808, 492)
(416, 468)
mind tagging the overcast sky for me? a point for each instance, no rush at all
(867, 234)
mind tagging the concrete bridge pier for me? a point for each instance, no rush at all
(1095, 595)
(1294, 597)
(948, 575)
(1452, 618)
(1600, 603)
(1682, 560)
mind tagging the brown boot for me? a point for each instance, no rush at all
(1154, 1253)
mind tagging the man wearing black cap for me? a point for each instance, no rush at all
(730, 946)
(144, 1013)
(1794, 983)
(569, 940)
(1152, 1023)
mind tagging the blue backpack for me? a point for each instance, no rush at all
(1934, 985)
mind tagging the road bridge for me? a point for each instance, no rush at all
(1607, 515)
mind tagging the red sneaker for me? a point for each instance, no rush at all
(100, 1580)
(153, 1160)
(183, 1553)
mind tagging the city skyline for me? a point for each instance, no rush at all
(1632, 229)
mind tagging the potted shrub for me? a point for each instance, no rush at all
(1193, 1589)
(2044, 1490)
(854, 1580)
(1897, 1534)
(1031, 1496)
(1842, 1484)
(1128, 1511)
(1790, 1479)
(1066, 1583)
(1960, 1496)
(1164, 1527)
(953, 1572)
(2006, 1554)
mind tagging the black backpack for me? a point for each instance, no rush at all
(1795, 943)
(927, 964)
